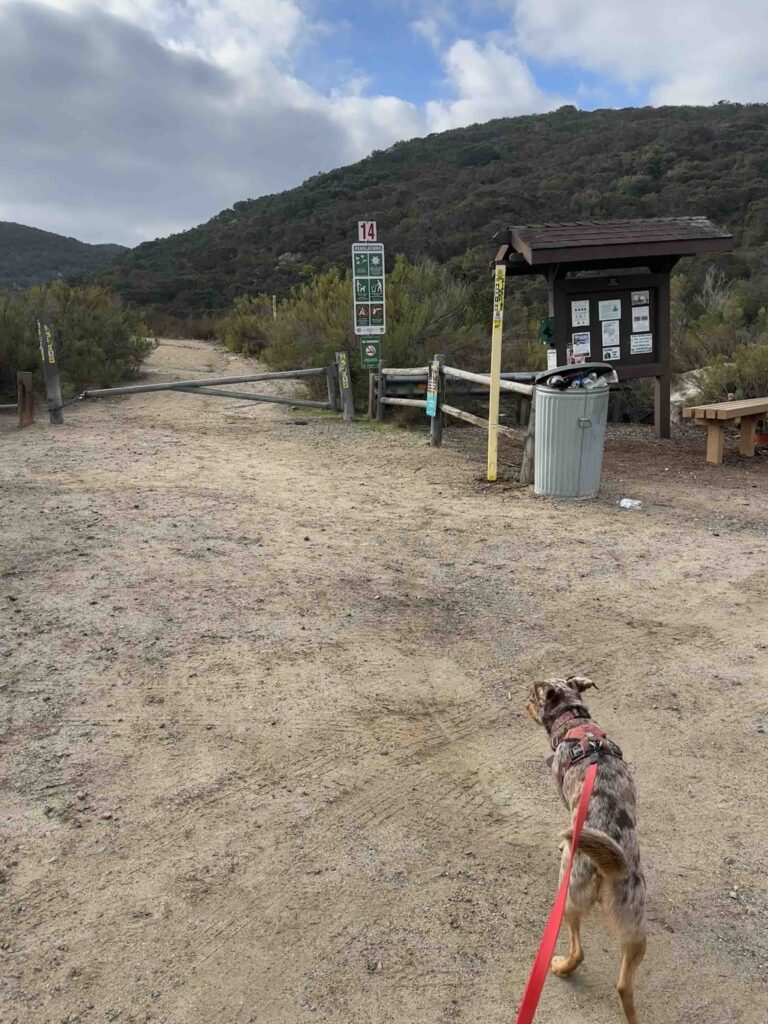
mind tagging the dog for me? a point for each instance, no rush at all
(606, 868)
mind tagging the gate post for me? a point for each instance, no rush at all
(50, 371)
(345, 382)
(25, 398)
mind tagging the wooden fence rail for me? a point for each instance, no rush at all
(442, 374)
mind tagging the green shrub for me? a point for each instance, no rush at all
(743, 375)
(429, 310)
(98, 342)
(243, 328)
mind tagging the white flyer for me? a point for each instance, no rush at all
(640, 298)
(640, 344)
(611, 354)
(641, 318)
(580, 313)
(551, 358)
(581, 343)
(609, 309)
(610, 332)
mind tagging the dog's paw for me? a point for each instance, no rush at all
(562, 966)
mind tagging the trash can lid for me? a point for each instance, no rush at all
(604, 370)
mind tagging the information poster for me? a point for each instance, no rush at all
(640, 298)
(611, 354)
(640, 344)
(609, 309)
(580, 343)
(580, 313)
(641, 318)
(610, 333)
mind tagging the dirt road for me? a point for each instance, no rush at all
(259, 765)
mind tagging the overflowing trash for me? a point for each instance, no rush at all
(578, 379)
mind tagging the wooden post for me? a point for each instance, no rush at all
(500, 278)
(747, 435)
(330, 381)
(371, 393)
(437, 421)
(529, 448)
(715, 441)
(381, 390)
(663, 383)
(661, 405)
(50, 371)
(345, 383)
(25, 398)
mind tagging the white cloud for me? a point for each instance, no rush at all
(683, 51)
(489, 82)
(428, 28)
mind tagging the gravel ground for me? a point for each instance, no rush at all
(259, 762)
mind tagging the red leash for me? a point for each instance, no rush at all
(541, 964)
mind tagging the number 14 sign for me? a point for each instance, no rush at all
(366, 231)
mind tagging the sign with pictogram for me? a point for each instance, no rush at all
(370, 353)
(369, 288)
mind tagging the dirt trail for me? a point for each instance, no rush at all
(258, 761)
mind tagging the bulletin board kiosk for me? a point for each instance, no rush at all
(609, 289)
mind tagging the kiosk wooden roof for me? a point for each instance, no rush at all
(656, 242)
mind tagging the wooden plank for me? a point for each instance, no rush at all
(728, 410)
(745, 407)
(408, 371)
(419, 403)
(485, 378)
(715, 442)
(476, 421)
(747, 436)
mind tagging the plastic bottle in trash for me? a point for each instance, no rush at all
(558, 381)
(631, 503)
(576, 382)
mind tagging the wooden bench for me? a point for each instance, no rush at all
(719, 415)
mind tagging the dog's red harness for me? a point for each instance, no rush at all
(584, 740)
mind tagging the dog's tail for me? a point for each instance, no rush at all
(607, 856)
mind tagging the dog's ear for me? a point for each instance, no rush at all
(580, 683)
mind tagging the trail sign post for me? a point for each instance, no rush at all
(366, 231)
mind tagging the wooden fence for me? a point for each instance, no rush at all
(519, 384)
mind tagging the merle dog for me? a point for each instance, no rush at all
(606, 869)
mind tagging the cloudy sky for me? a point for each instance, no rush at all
(122, 120)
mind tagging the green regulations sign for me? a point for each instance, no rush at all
(370, 353)
(368, 284)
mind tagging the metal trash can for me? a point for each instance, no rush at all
(570, 432)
